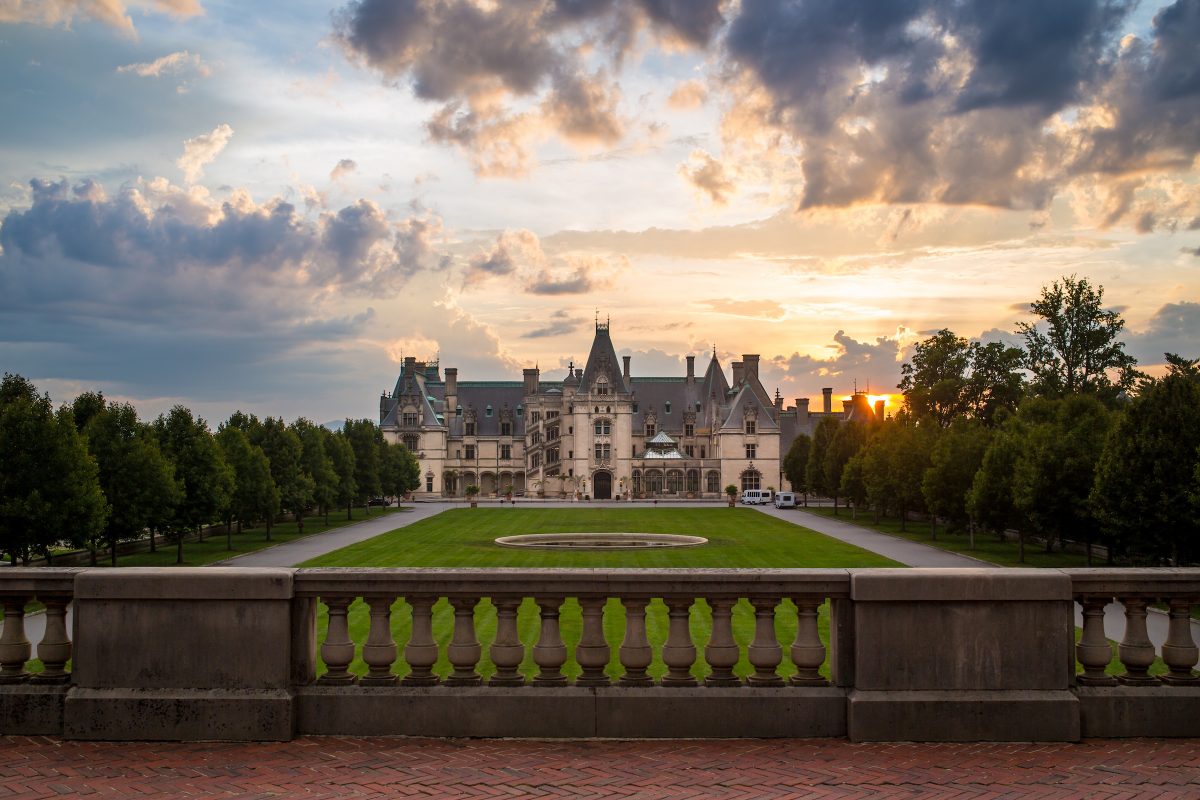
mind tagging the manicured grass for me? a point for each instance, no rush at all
(987, 546)
(464, 538)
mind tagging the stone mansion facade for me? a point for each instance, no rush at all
(600, 432)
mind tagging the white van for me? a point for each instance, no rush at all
(785, 500)
(756, 497)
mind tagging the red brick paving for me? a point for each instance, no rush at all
(320, 767)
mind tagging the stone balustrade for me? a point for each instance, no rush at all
(921, 654)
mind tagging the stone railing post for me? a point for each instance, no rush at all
(421, 652)
(764, 652)
(1179, 652)
(379, 652)
(679, 653)
(550, 653)
(592, 653)
(808, 653)
(464, 649)
(721, 652)
(1136, 650)
(1093, 650)
(635, 652)
(14, 646)
(54, 649)
(338, 650)
(506, 651)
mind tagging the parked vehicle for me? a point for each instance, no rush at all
(756, 497)
(785, 500)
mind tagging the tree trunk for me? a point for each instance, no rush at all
(904, 520)
(92, 554)
(113, 549)
(229, 532)
(179, 549)
(270, 520)
(326, 510)
(199, 533)
(349, 508)
(153, 544)
(835, 505)
(971, 534)
(299, 515)
(1021, 546)
(933, 527)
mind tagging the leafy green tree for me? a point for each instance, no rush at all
(795, 464)
(317, 464)
(206, 479)
(956, 456)
(908, 458)
(950, 377)
(1147, 470)
(284, 450)
(137, 480)
(814, 470)
(49, 490)
(846, 441)
(1075, 347)
(853, 484)
(399, 471)
(990, 500)
(364, 437)
(254, 492)
(341, 456)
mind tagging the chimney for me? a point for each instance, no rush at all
(410, 365)
(879, 404)
(778, 403)
(691, 373)
(739, 373)
(751, 362)
(827, 394)
(625, 369)
(847, 408)
(802, 411)
(451, 390)
(531, 381)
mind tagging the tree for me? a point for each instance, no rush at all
(1074, 348)
(317, 464)
(956, 456)
(814, 470)
(199, 467)
(997, 382)
(49, 490)
(1145, 474)
(795, 464)
(399, 471)
(846, 442)
(341, 455)
(908, 458)
(949, 378)
(254, 491)
(137, 480)
(283, 450)
(363, 436)
(853, 484)
(990, 500)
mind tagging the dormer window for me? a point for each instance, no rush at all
(488, 411)
(470, 429)
(750, 426)
(602, 385)
(650, 429)
(668, 406)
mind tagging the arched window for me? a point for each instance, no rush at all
(712, 482)
(751, 480)
(693, 480)
(674, 481)
(654, 482)
(637, 481)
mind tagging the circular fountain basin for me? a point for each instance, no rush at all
(600, 541)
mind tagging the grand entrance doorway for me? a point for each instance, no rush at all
(602, 485)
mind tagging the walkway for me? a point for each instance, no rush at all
(40, 767)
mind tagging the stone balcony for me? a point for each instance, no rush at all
(911, 654)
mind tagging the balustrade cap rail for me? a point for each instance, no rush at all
(958, 584)
(24, 581)
(447, 582)
(1135, 582)
(174, 583)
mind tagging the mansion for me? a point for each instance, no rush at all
(600, 432)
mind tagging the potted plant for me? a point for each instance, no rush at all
(731, 491)
(472, 491)
(508, 491)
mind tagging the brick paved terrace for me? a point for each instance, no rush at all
(318, 767)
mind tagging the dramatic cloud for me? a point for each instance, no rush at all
(342, 169)
(560, 323)
(519, 255)
(110, 12)
(201, 150)
(875, 363)
(688, 95)
(708, 176)
(1174, 328)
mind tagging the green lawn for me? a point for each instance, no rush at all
(987, 546)
(464, 538)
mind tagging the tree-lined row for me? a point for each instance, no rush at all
(91, 474)
(1063, 440)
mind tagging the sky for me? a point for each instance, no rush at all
(266, 206)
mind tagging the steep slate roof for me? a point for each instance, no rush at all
(714, 382)
(602, 360)
(498, 394)
(748, 398)
(653, 394)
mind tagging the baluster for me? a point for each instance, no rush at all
(550, 653)
(421, 652)
(380, 650)
(464, 650)
(54, 649)
(679, 653)
(1093, 649)
(721, 652)
(14, 646)
(338, 650)
(635, 649)
(764, 653)
(506, 651)
(808, 652)
(1136, 650)
(592, 653)
(1179, 652)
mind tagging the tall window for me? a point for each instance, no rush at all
(702, 452)
(552, 455)
(751, 449)
(751, 480)
(649, 429)
(506, 429)
(693, 480)
(603, 427)
(689, 450)
(674, 481)
(749, 426)
(689, 429)
(668, 406)
(506, 451)
(410, 418)
(535, 460)
(412, 442)
(603, 451)
(470, 452)
(712, 482)
(535, 438)
(429, 483)
(551, 434)
(489, 411)
(602, 386)
(470, 429)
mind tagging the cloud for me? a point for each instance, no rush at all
(343, 168)
(707, 175)
(170, 64)
(1174, 328)
(760, 309)
(560, 323)
(201, 150)
(517, 255)
(876, 363)
(110, 12)
(688, 95)
(511, 251)
(576, 274)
